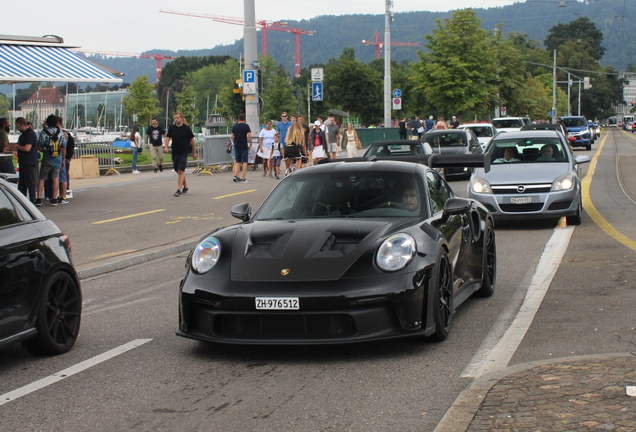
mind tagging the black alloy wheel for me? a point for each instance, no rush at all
(58, 316)
(443, 309)
(489, 276)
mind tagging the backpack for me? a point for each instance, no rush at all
(54, 144)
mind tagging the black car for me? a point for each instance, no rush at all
(453, 141)
(344, 251)
(398, 148)
(40, 295)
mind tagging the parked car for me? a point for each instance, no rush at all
(483, 131)
(510, 124)
(453, 141)
(577, 127)
(533, 175)
(343, 251)
(40, 294)
(398, 148)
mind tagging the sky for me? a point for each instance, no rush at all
(135, 26)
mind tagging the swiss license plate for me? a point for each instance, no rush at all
(277, 303)
(522, 200)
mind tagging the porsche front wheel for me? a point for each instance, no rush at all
(443, 309)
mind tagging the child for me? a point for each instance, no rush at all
(275, 155)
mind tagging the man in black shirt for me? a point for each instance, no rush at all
(182, 143)
(241, 136)
(27, 147)
(154, 134)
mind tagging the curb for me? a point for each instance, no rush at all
(461, 413)
(137, 259)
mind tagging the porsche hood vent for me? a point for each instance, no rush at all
(301, 250)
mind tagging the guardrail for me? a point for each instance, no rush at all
(104, 151)
(212, 154)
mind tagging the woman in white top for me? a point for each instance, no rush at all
(353, 143)
(265, 140)
(135, 142)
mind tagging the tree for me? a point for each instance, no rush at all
(210, 80)
(141, 99)
(457, 73)
(532, 99)
(511, 75)
(5, 105)
(232, 105)
(186, 104)
(354, 87)
(581, 31)
(278, 94)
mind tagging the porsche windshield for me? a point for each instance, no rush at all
(344, 194)
(535, 150)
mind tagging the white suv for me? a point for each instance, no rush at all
(510, 124)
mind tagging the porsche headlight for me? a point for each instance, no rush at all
(396, 252)
(206, 254)
(480, 185)
(565, 182)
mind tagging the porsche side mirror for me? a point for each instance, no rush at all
(242, 211)
(454, 206)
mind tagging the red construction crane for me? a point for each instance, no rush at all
(158, 57)
(261, 24)
(379, 44)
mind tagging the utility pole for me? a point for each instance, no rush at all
(249, 47)
(554, 113)
(388, 16)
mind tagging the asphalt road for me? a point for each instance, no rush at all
(170, 383)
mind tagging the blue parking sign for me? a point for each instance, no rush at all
(316, 91)
(248, 76)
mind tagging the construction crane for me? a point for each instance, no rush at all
(263, 25)
(379, 44)
(158, 57)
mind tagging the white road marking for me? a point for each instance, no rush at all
(490, 359)
(52, 379)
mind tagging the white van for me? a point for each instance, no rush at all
(510, 124)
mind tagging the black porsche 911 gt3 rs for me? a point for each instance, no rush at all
(341, 252)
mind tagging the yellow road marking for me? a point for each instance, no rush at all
(237, 193)
(591, 210)
(114, 254)
(128, 217)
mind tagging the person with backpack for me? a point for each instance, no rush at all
(52, 143)
(65, 182)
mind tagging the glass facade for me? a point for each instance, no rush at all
(96, 110)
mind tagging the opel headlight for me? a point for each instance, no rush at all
(565, 182)
(206, 254)
(396, 252)
(480, 185)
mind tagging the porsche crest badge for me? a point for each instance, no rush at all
(284, 272)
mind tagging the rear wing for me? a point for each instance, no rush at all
(472, 160)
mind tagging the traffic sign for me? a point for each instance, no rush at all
(397, 93)
(317, 74)
(316, 91)
(503, 110)
(249, 76)
(397, 103)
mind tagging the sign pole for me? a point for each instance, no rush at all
(387, 64)
(249, 46)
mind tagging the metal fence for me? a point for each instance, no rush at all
(104, 151)
(212, 154)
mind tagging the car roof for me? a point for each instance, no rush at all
(398, 142)
(362, 165)
(475, 125)
(528, 134)
(443, 131)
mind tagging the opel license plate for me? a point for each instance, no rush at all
(521, 200)
(277, 303)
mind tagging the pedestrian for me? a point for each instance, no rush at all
(182, 144)
(353, 142)
(265, 141)
(52, 142)
(135, 143)
(440, 123)
(68, 155)
(454, 124)
(402, 126)
(6, 162)
(241, 136)
(27, 147)
(282, 127)
(276, 155)
(318, 142)
(321, 119)
(332, 132)
(295, 141)
(420, 128)
(429, 124)
(154, 135)
(306, 148)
